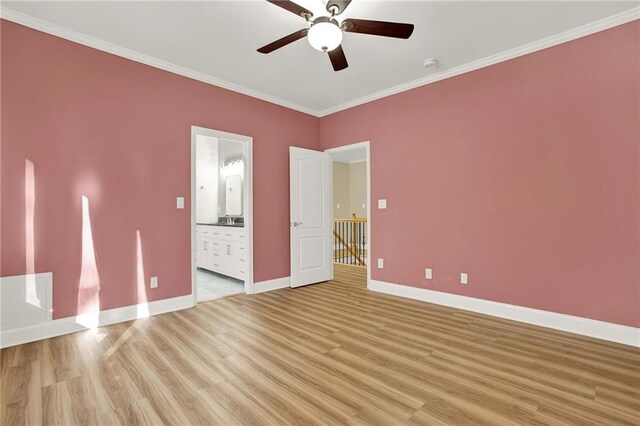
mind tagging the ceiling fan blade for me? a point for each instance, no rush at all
(340, 5)
(283, 41)
(379, 28)
(292, 7)
(338, 60)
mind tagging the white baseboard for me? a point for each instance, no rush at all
(68, 325)
(262, 286)
(572, 324)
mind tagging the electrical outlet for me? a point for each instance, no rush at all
(464, 278)
(338, 205)
(154, 282)
(180, 202)
(380, 263)
(382, 204)
(364, 205)
(428, 273)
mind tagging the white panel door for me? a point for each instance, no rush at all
(311, 232)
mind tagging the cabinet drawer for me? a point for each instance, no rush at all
(229, 233)
(201, 229)
(208, 231)
(232, 235)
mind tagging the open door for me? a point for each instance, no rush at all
(311, 188)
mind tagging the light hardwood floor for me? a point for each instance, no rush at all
(330, 353)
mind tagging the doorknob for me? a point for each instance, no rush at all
(296, 224)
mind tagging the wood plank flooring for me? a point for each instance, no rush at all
(331, 353)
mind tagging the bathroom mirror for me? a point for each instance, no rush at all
(233, 195)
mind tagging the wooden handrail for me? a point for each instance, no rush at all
(352, 219)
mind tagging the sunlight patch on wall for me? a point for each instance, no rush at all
(143, 306)
(88, 313)
(31, 295)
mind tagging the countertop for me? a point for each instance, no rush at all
(235, 225)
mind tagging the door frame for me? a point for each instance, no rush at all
(247, 141)
(346, 148)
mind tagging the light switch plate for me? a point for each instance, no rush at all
(464, 278)
(382, 204)
(364, 205)
(180, 202)
(428, 273)
(380, 263)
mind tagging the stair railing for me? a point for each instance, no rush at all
(350, 240)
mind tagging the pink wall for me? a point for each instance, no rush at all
(119, 132)
(524, 174)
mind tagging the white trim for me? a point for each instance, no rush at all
(582, 31)
(554, 40)
(112, 316)
(247, 141)
(67, 34)
(572, 324)
(367, 148)
(269, 285)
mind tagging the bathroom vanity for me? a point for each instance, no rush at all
(221, 248)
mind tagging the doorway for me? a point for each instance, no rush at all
(313, 237)
(351, 212)
(221, 214)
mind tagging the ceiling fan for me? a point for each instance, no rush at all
(325, 32)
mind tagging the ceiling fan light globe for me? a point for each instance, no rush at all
(324, 36)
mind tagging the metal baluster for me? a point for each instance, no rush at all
(352, 238)
(359, 245)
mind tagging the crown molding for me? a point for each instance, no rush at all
(46, 27)
(575, 33)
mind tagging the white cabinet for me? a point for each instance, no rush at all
(221, 249)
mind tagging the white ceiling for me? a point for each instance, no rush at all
(218, 39)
